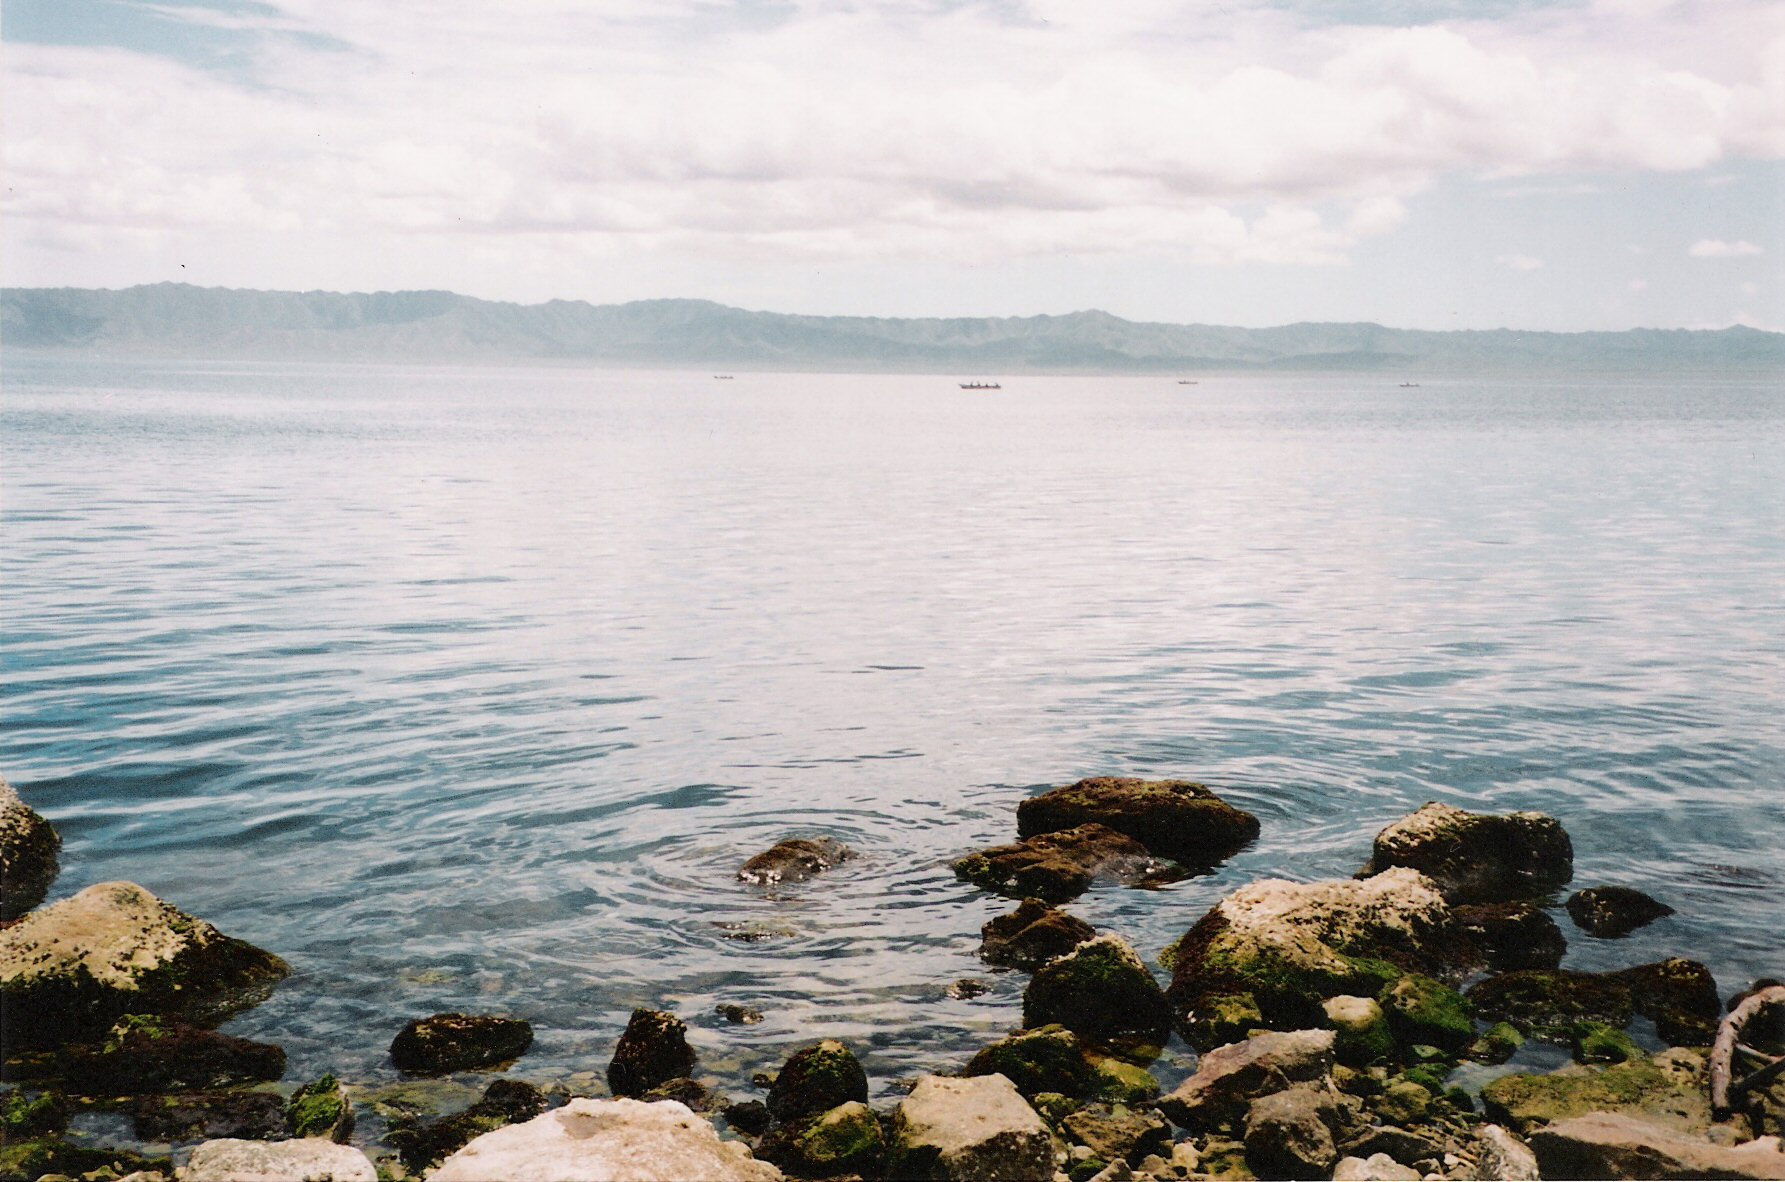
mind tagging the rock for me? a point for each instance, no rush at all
(143, 1054)
(846, 1140)
(738, 1015)
(458, 1042)
(794, 860)
(817, 1079)
(1053, 1059)
(1174, 819)
(29, 846)
(1511, 936)
(1422, 1011)
(308, 1160)
(1101, 991)
(43, 1158)
(653, 1049)
(197, 1116)
(1603, 1145)
(1403, 1102)
(1056, 867)
(1216, 1019)
(70, 970)
(1680, 995)
(1613, 911)
(1361, 1030)
(967, 988)
(1291, 945)
(604, 1140)
(1032, 935)
(1500, 1155)
(968, 1130)
(1671, 1089)
(1551, 1002)
(320, 1109)
(1402, 1145)
(1595, 1042)
(1229, 1078)
(1477, 857)
(505, 1102)
(1118, 1132)
(1496, 1044)
(691, 1094)
(1378, 1167)
(25, 1118)
(750, 1117)
(1289, 1134)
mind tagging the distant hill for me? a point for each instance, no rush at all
(177, 320)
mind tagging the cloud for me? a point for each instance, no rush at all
(1519, 262)
(1222, 131)
(1716, 248)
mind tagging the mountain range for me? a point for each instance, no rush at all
(180, 320)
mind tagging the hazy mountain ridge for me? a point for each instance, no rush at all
(179, 320)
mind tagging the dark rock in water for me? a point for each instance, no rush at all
(22, 1118)
(967, 988)
(36, 1159)
(1053, 1059)
(1477, 857)
(1101, 991)
(1174, 819)
(1289, 1134)
(1613, 911)
(1213, 1020)
(1118, 1133)
(204, 1116)
(1497, 1043)
(750, 1117)
(1550, 1002)
(653, 1050)
(143, 1054)
(1424, 1012)
(691, 1094)
(504, 1102)
(70, 970)
(794, 860)
(738, 1015)
(845, 1141)
(1032, 935)
(1512, 936)
(1680, 995)
(817, 1079)
(320, 1109)
(29, 846)
(458, 1042)
(1057, 867)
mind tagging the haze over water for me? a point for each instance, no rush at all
(471, 689)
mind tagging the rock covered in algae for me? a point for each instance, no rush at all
(70, 970)
(29, 849)
(1100, 990)
(1612, 911)
(1054, 1059)
(1175, 819)
(652, 1050)
(1477, 857)
(443, 1043)
(1060, 866)
(968, 1130)
(148, 1054)
(817, 1079)
(1032, 935)
(794, 860)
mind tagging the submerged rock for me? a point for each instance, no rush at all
(1057, 867)
(1612, 911)
(504, 1102)
(1477, 857)
(70, 970)
(320, 1109)
(1099, 990)
(144, 1054)
(817, 1079)
(1606, 1145)
(1291, 945)
(968, 1130)
(1550, 1003)
(196, 1116)
(29, 846)
(1032, 935)
(738, 1015)
(457, 1042)
(602, 1140)
(1174, 819)
(1511, 936)
(652, 1050)
(794, 860)
(1679, 995)
(1229, 1078)
(691, 1094)
(308, 1160)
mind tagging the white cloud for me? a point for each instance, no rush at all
(1519, 262)
(1716, 248)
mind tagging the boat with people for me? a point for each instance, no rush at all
(981, 386)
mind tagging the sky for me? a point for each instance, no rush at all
(1540, 164)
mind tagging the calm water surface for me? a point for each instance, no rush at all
(470, 689)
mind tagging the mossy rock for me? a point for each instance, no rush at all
(1220, 1018)
(1595, 1042)
(34, 1159)
(1671, 1089)
(817, 1079)
(1429, 1076)
(1055, 1107)
(1047, 1059)
(1403, 1102)
(320, 1109)
(1101, 991)
(1496, 1044)
(1361, 1032)
(504, 1102)
(846, 1140)
(1032, 935)
(146, 1054)
(1681, 997)
(1423, 1011)
(445, 1043)
(29, 854)
(23, 1118)
(1175, 819)
(1117, 1081)
(653, 1049)
(205, 1116)
(1225, 1158)
(1059, 867)
(1550, 1003)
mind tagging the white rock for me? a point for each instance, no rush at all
(607, 1141)
(311, 1159)
(1604, 1145)
(969, 1130)
(1500, 1155)
(1378, 1167)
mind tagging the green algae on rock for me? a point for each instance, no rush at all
(1360, 1028)
(1175, 819)
(320, 1109)
(1054, 1059)
(164, 1054)
(1216, 1019)
(70, 970)
(1550, 1003)
(1496, 1044)
(1477, 857)
(1423, 1011)
(1099, 990)
(1671, 1089)
(1595, 1042)
(442, 1043)
(845, 1140)
(817, 1079)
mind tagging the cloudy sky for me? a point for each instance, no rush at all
(1559, 164)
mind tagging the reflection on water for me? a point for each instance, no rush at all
(471, 689)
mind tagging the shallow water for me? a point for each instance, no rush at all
(470, 689)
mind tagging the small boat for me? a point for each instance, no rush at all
(981, 386)
(1186, 381)
(722, 377)
(1409, 385)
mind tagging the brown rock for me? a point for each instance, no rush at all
(1174, 819)
(1056, 867)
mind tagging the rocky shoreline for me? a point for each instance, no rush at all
(1345, 1029)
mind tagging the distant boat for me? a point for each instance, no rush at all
(1409, 385)
(981, 386)
(722, 377)
(1186, 381)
